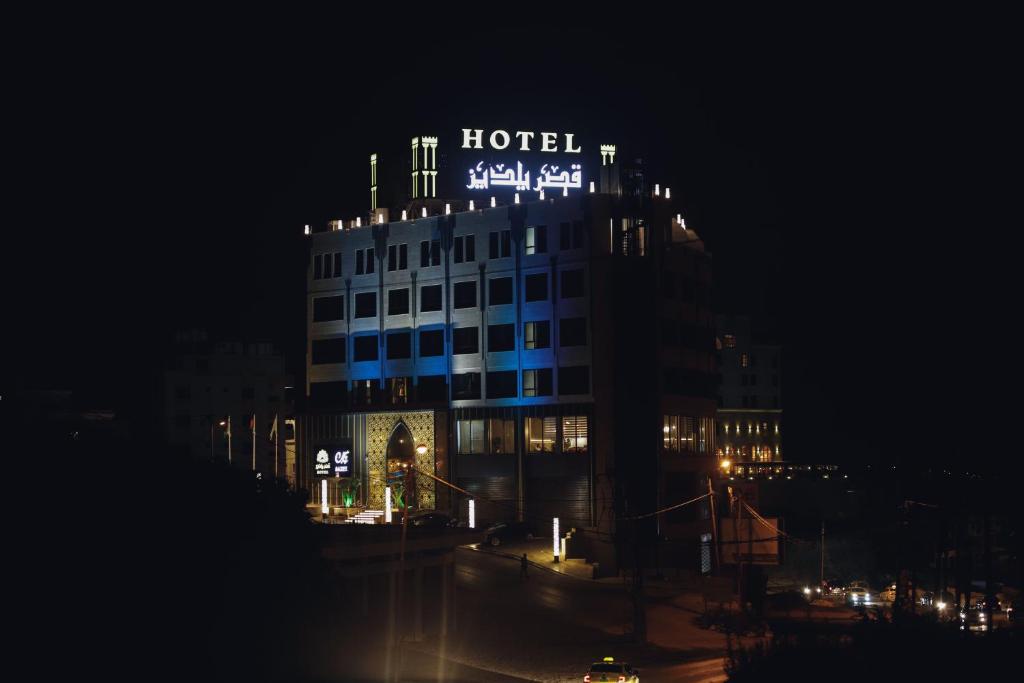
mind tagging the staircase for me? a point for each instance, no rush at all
(366, 517)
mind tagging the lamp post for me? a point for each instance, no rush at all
(222, 423)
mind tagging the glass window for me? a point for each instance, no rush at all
(431, 343)
(502, 435)
(398, 301)
(537, 239)
(466, 386)
(572, 283)
(501, 337)
(573, 332)
(537, 287)
(574, 434)
(574, 380)
(430, 298)
(399, 345)
(318, 266)
(465, 295)
(366, 305)
(502, 384)
(364, 348)
(565, 236)
(671, 433)
(469, 436)
(392, 257)
(327, 265)
(337, 264)
(370, 261)
(537, 382)
(398, 389)
(327, 308)
(540, 433)
(328, 351)
(465, 340)
(500, 291)
(537, 334)
(403, 256)
(500, 244)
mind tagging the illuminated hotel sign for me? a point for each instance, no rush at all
(333, 461)
(516, 173)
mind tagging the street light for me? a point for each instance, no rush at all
(725, 465)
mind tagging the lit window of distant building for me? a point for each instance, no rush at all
(729, 341)
(744, 360)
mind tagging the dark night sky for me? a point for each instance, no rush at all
(163, 175)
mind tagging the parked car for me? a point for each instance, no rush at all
(432, 520)
(611, 671)
(505, 532)
(859, 595)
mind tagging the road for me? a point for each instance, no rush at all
(551, 627)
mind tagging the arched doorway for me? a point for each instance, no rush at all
(401, 454)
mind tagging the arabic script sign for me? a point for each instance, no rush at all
(485, 177)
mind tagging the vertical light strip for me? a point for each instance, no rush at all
(387, 505)
(324, 508)
(472, 513)
(555, 545)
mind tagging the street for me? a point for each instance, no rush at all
(552, 627)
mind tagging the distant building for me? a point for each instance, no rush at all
(549, 352)
(750, 394)
(231, 401)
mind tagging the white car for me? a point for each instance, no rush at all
(859, 595)
(610, 671)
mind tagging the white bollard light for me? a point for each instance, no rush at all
(472, 513)
(555, 543)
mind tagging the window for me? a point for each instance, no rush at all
(503, 436)
(464, 248)
(537, 382)
(364, 261)
(744, 360)
(398, 301)
(432, 388)
(327, 392)
(540, 434)
(363, 390)
(328, 351)
(577, 234)
(399, 345)
(500, 291)
(466, 386)
(572, 332)
(501, 337)
(670, 435)
(565, 236)
(465, 340)
(469, 436)
(537, 239)
(431, 343)
(327, 265)
(537, 335)
(327, 308)
(364, 348)
(430, 253)
(572, 283)
(398, 257)
(537, 287)
(366, 305)
(574, 380)
(729, 341)
(574, 434)
(398, 389)
(430, 298)
(502, 384)
(465, 295)
(501, 244)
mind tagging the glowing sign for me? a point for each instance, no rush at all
(549, 175)
(323, 463)
(555, 544)
(473, 138)
(342, 464)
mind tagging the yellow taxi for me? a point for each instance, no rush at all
(610, 671)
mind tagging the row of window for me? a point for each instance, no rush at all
(751, 380)
(463, 250)
(749, 360)
(535, 288)
(750, 428)
(465, 340)
(685, 434)
(572, 381)
(751, 452)
(752, 402)
(566, 434)
(326, 266)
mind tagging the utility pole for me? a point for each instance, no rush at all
(821, 579)
(714, 526)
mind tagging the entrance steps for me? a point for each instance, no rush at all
(367, 517)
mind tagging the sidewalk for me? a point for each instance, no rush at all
(539, 555)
